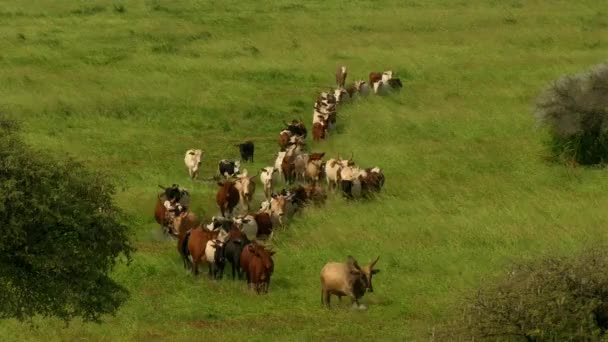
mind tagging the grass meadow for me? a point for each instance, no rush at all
(128, 86)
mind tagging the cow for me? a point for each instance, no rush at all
(374, 77)
(233, 247)
(341, 95)
(371, 181)
(298, 196)
(332, 173)
(377, 80)
(193, 162)
(228, 168)
(246, 149)
(299, 165)
(288, 162)
(351, 181)
(362, 88)
(227, 197)
(195, 243)
(313, 167)
(315, 193)
(296, 127)
(247, 225)
(279, 161)
(284, 138)
(347, 279)
(171, 202)
(214, 254)
(264, 223)
(341, 76)
(246, 188)
(319, 130)
(258, 265)
(268, 180)
(395, 83)
(278, 209)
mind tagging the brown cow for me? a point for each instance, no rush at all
(374, 77)
(195, 244)
(373, 182)
(284, 138)
(258, 265)
(318, 130)
(227, 197)
(264, 223)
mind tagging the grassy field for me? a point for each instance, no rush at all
(127, 87)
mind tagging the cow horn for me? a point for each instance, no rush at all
(374, 262)
(162, 187)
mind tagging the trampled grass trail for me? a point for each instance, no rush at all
(468, 191)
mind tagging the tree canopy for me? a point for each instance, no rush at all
(61, 236)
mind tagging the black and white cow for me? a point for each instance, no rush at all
(229, 168)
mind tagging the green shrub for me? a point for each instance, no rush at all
(60, 236)
(575, 109)
(557, 299)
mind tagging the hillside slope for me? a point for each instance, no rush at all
(468, 191)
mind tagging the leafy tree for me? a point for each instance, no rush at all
(575, 109)
(60, 236)
(556, 299)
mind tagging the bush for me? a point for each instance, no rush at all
(575, 109)
(557, 299)
(60, 236)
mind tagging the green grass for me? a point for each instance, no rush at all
(127, 87)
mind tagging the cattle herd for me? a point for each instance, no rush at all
(241, 239)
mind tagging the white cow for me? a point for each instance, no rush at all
(279, 161)
(246, 187)
(193, 161)
(268, 180)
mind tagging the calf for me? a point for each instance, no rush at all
(341, 76)
(229, 168)
(259, 266)
(246, 149)
(193, 162)
(268, 180)
(227, 197)
(347, 279)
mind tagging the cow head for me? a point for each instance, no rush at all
(363, 275)
(387, 75)
(246, 185)
(278, 206)
(240, 221)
